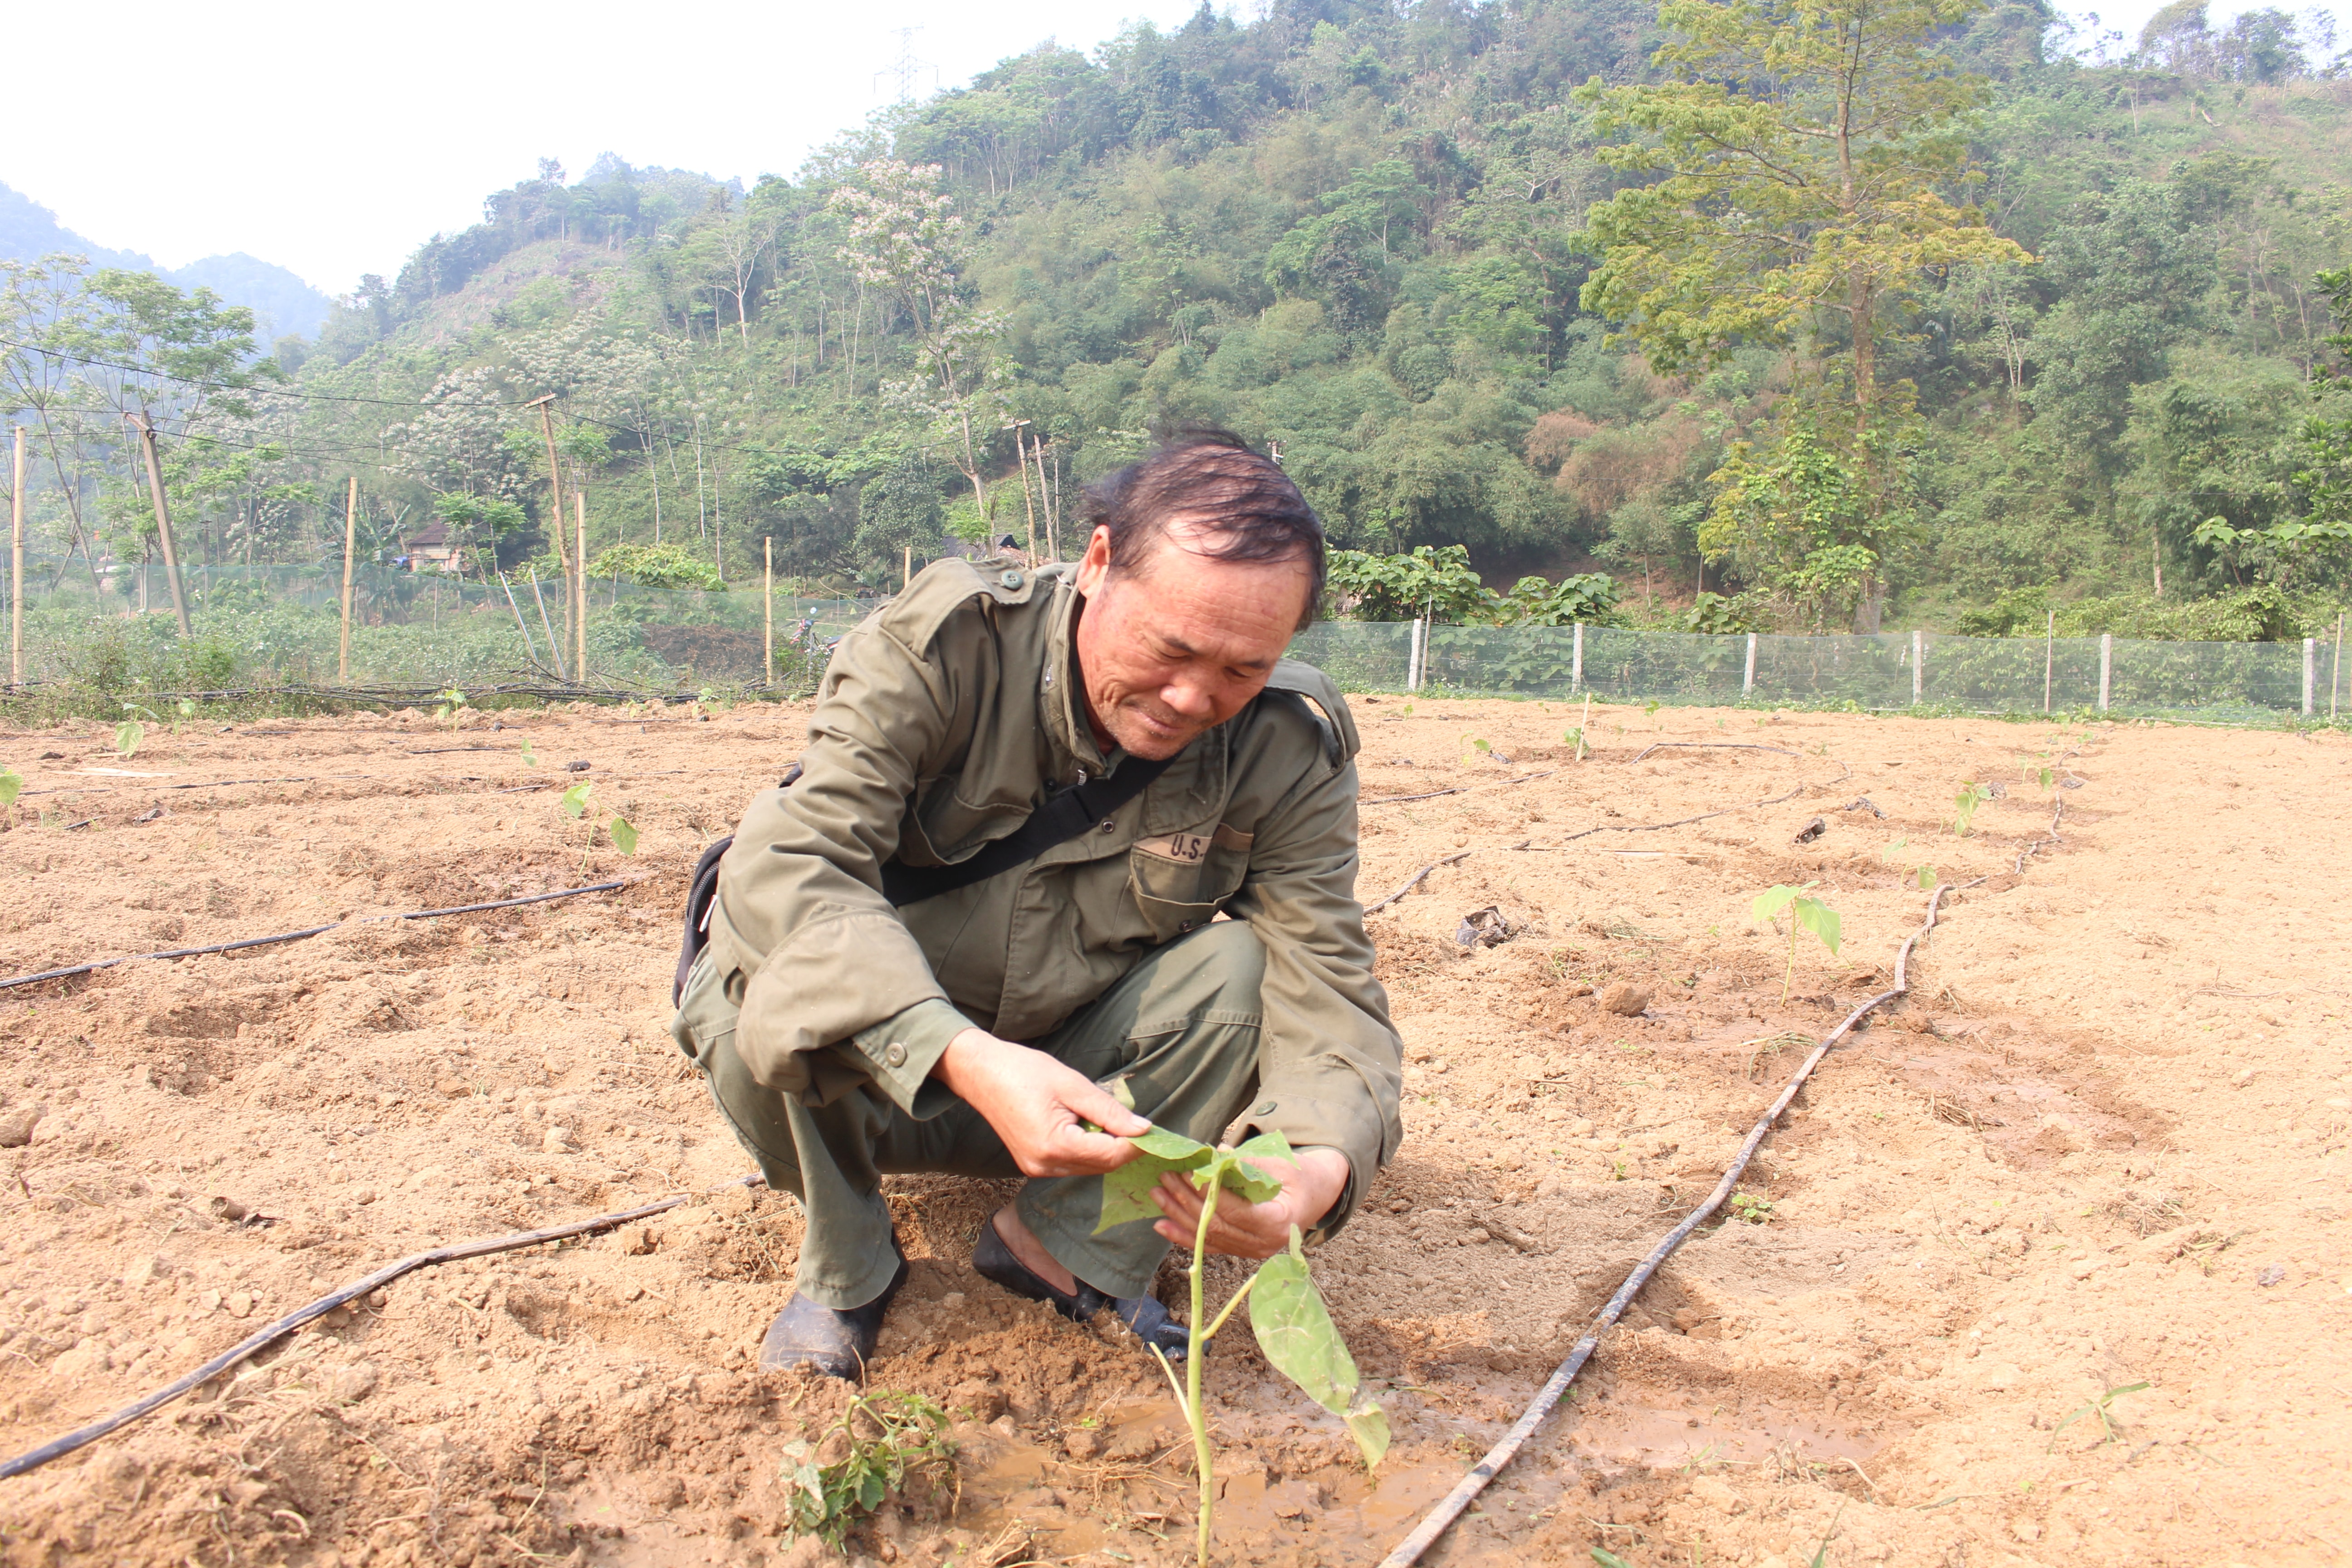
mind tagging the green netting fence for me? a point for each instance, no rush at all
(265, 627)
(2215, 681)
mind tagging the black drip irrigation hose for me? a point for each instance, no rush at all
(33, 1459)
(1555, 1389)
(96, 964)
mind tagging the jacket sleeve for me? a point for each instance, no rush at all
(816, 957)
(1330, 1062)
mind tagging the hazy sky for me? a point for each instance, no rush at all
(334, 140)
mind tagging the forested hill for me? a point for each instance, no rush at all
(1364, 232)
(282, 301)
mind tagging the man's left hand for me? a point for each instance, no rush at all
(1241, 1229)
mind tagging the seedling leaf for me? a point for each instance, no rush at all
(575, 800)
(11, 785)
(1821, 920)
(1127, 1192)
(529, 757)
(1295, 1331)
(625, 836)
(127, 736)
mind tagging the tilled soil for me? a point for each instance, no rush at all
(2048, 1264)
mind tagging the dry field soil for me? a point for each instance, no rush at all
(2051, 1263)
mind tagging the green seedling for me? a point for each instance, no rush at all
(2038, 772)
(1651, 707)
(130, 733)
(1971, 795)
(450, 702)
(529, 757)
(1294, 1328)
(182, 715)
(2096, 1408)
(574, 802)
(893, 1439)
(1751, 1207)
(1408, 710)
(1575, 738)
(12, 784)
(1804, 914)
(1477, 748)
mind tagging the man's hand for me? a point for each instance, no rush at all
(1037, 1106)
(1243, 1229)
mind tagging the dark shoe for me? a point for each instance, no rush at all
(992, 1259)
(835, 1341)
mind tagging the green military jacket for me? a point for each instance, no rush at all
(941, 721)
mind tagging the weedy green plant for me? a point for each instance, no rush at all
(1752, 1208)
(1294, 1328)
(1972, 795)
(1805, 913)
(893, 1439)
(574, 802)
(450, 702)
(2098, 1409)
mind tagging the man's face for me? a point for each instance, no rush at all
(1179, 643)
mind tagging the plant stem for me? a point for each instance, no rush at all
(1789, 978)
(1204, 1456)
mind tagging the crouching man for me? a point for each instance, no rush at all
(992, 888)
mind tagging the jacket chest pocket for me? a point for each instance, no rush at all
(1181, 880)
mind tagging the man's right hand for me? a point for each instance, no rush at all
(1039, 1106)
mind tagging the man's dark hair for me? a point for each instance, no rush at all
(1243, 507)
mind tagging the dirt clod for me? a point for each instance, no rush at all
(1625, 999)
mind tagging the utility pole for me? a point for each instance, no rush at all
(351, 542)
(163, 521)
(17, 574)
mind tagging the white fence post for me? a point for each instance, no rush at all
(2107, 665)
(1413, 658)
(1576, 672)
(2310, 672)
(1748, 681)
(1919, 666)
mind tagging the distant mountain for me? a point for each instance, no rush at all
(282, 301)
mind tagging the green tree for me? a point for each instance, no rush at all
(1806, 155)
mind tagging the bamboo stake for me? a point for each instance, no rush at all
(2335, 671)
(16, 571)
(2049, 658)
(1027, 495)
(553, 646)
(767, 593)
(162, 523)
(907, 571)
(1053, 517)
(554, 475)
(580, 587)
(351, 542)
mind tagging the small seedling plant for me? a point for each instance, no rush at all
(1805, 913)
(1294, 1328)
(130, 732)
(12, 784)
(892, 1437)
(450, 702)
(574, 803)
(1972, 795)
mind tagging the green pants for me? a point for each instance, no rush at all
(1181, 1027)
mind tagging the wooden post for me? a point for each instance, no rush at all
(1576, 664)
(554, 476)
(2048, 657)
(2335, 671)
(1919, 666)
(16, 571)
(907, 571)
(768, 591)
(350, 543)
(1028, 496)
(162, 522)
(1748, 680)
(553, 646)
(2106, 667)
(580, 589)
(2310, 672)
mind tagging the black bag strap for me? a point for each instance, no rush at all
(1066, 815)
